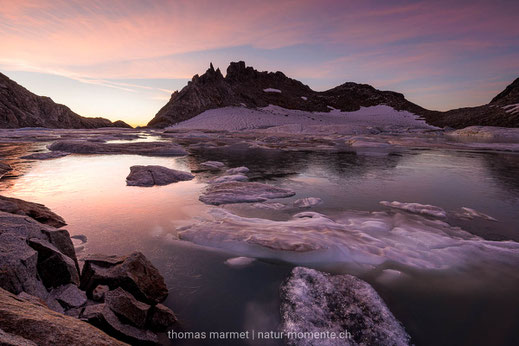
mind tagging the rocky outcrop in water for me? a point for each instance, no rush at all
(242, 192)
(155, 175)
(245, 86)
(21, 108)
(317, 302)
(136, 148)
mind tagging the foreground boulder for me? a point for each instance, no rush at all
(125, 305)
(22, 319)
(37, 211)
(313, 302)
(155, 175)
(136, 148)
(242, 192)
(134, 273)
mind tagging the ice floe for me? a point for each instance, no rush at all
(307, 202)
(417, 208)
(318, 303)
(239, 261)
(242, 192)
(361, 240)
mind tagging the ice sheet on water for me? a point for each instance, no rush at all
(361, 240)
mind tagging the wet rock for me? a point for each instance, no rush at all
(229, 178)
(7, 339)
(42, 326)
(242, 192)
(136, 148)
(313, 302)
(134, 273)
(212, 165)
(237, 170)
(103, 317)
(127, 307)
(69, 296)
(161, 318)
(18, 267)
(4, 168)
(307, 202)
(155, 175)
(54, 267)
(45, 156)
(37, 211)
(98, 294)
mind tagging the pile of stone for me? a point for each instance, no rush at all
(120, 295)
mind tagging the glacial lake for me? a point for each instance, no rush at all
(475, 304)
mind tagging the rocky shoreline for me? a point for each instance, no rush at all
(47, 299)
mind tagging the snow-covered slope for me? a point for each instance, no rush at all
(240, 118)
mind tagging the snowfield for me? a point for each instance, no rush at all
(240, 118)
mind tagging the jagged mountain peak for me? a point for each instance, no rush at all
(508, 96)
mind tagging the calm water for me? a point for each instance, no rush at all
(479, 306)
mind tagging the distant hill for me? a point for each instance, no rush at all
(245, 86)
(21, 108)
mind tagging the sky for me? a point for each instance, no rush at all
(122, 59)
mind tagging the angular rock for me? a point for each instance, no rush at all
(126, 307)
(136, 148)
(155, 175)
(161, 318)
(54, 267)
(98, 294)
(242, 192)
(313, 302)
(60, 238)
(18, 267)
(69, 296)
(37, 211)
(103, 317)
(134, 273)
(42, 326)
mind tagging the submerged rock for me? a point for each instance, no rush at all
(417, 208)
(317, 302)
(45, 156)
(37, 211)
(242, 192)
(42, 326)
(307, 202)
(237, 170)
(136, 148)
(155, 175)
(134, 273)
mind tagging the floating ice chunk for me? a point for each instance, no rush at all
(469, 213)
(212, 165)
(269, 205)
(228, 178)
(237, 170)
(314, 302)
(242, 192)
(359, 239)
(307, 202)
(272, 90)
(239, 261)
(417, 208)
(390, 275)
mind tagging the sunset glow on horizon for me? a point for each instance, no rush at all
(123, 59)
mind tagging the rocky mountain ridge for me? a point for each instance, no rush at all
(245, 86)
(21, 108)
